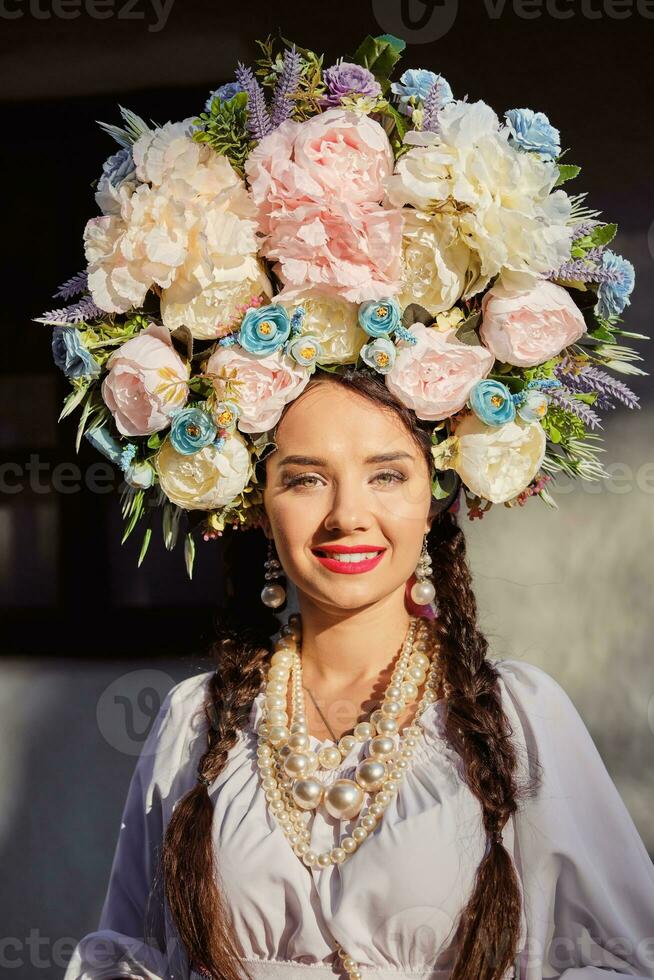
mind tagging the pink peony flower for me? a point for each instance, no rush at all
(435, 376)
(264, 384)
(146, 382)
(528, 327)
(318, 185)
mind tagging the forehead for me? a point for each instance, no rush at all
(330, 420)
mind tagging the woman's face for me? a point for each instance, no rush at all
(340, 492)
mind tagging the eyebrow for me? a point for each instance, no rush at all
(316, 461)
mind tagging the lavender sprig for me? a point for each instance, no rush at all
(287, 83)
(259, 122)
(565, 399)
(592, 379)
(72, 287)
(432, 106)
(84, 309)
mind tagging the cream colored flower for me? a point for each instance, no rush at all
(495, 462)
(189, 227)
(333, 322)
(437, 265)
(449, 319)
(205, 480)
(501, 199)
(217, 310)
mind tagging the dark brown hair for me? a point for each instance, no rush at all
(475, 726)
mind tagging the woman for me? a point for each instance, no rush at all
(505, 850)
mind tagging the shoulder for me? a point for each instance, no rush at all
(177, 737)
(546, 726)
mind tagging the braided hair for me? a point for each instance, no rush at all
(475, 726)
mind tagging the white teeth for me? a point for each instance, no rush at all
(356, 556)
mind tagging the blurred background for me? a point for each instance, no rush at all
(90, 644)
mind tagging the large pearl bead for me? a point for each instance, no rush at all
(273, 595)
(370, 775)
(298, 741)
(307, 793)
(297, 764)
(382, 745)
(329, 757)
(344, 799)
(423, 593)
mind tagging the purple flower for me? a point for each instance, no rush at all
(346, 78)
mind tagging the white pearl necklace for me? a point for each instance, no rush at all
(291, 785)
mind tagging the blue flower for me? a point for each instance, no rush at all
(225, 414)
(380, 317)
(119, 166)
(191, 429)
(533, 405)
(533, 131)
(613, 295)
(264, 329)
(102, 440)
(415, 84)
(224, 93)
(380, 354)
(491, 401)
(70, 354)
(306, 350)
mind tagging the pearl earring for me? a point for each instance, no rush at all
(423, 591)
(273, 594)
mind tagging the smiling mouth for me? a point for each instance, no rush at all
(348, 557)
(349, 562)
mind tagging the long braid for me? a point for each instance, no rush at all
(476, 726)
(191, 879)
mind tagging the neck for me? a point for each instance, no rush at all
(351, 647)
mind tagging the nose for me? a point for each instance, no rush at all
(350, 510)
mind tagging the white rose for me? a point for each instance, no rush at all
(494, 462)
(502, 199)
(437, 263)
(205, 480)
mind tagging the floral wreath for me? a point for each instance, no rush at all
(331, 219)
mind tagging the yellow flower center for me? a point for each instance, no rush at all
(193, 430)
(497, 400)
(265, 326)
(382, 358)
(225, 417)
(308, 351)
(382, 311)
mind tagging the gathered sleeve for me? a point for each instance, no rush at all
(135, 938)
(587, 879)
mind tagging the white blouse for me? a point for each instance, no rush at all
(586, 879)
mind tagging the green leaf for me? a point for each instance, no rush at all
(154, 441)
(467, 332)
(603, 235)
(379, 55)
(189, 554)
(73, 400)
(566, 172)
(443, 484)
(144, 546)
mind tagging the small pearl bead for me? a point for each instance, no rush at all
(368, 822)
(324, 860)
(310, 857)
(349, 845)
(301, 848)
(338, 855)
(359, 834)
(376, 809)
